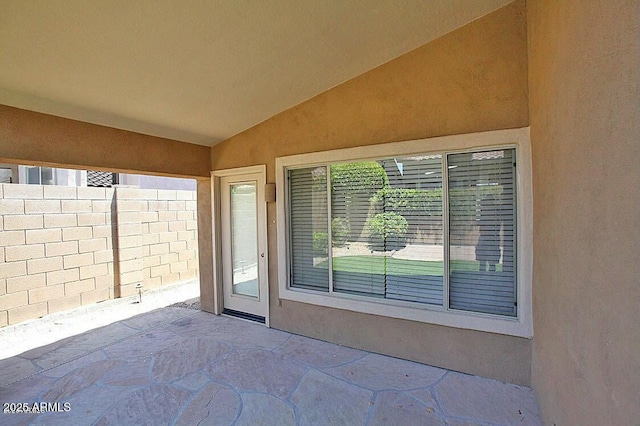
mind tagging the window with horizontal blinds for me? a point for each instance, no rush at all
(375, 229)
(415, 194)
(357, 269)
(308, 215)
(391, 214)
(482, 231)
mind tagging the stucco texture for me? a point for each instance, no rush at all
(473, 79)
(583, 68)
(28, 137)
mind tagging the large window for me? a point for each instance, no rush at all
(432, 236)
(376, 229)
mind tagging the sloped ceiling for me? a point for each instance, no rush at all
(203, 71)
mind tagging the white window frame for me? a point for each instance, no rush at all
(520, 326)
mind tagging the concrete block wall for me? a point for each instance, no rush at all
(157, 237)
(64, 247)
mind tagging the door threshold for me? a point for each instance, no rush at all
(244, 316)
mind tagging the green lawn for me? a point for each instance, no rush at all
(392, 266)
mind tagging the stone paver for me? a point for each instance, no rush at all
(257, 370)
(399, 408)
(154, 405)
(128, 373)
(28, 390)
(143, 345)
(154, 318)
(91, 403)
(486, 400)
(318, 354)
(193, 381)
(53, 328)
(214, 404)
(255, 405)
(78, 346)
(321, 398)
(184, 358)
(37, 352)
(78, 379)
(184, 367)
(13, 369)
(242, 334)
(65, 368)
(377, 372)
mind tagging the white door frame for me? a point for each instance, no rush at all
(216, 175)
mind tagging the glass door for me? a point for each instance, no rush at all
(243, 247)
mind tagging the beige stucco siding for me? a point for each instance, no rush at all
(28, 137)
(583, 67)
(471, 80)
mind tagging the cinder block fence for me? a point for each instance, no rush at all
(64, 247)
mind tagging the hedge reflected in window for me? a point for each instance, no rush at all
(375, 229)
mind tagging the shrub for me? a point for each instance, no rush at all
(352, 186)
(387, 230)
(320, 243)
(362, 177)
(340, 230)
(409, 201)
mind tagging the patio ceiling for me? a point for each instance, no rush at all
(203, 71)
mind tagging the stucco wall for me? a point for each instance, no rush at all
(583, 67)
(28, 137)
(63, 247)
(473, 79)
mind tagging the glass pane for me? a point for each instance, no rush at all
(33, 175)
(6, 176)
(244, 239)
(308, 228)
(482, 232)
(47, 176)
(386, 228)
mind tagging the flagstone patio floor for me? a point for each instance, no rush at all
(186, 367)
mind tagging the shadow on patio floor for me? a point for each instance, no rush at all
(181, 366)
